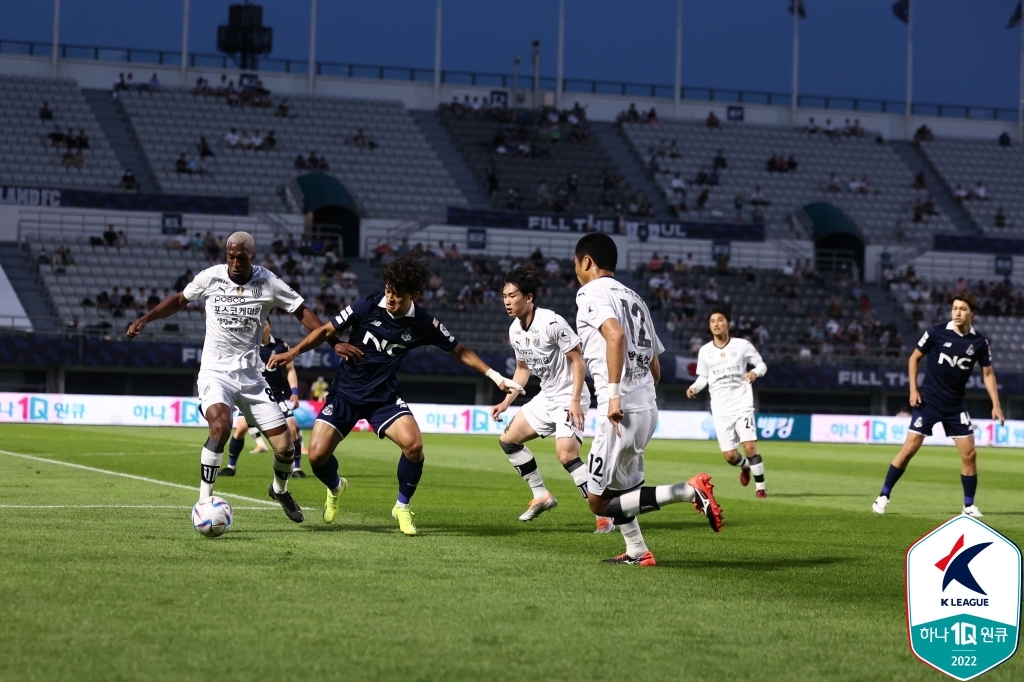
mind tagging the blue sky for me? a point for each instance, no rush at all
(963, 53)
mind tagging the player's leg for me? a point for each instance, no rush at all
(756, 466)
(567, 449)
(899, 464)
(323, 441)
(235, 446)
(295, 433)
(260, 409)
(729, 442)
(519, 431)
(218, 392)
(968, 472)
(404, 432)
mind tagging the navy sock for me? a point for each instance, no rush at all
(297, 454)
(409, 473)
(891, 477)
(235, 446)
(328, 472)
(970, 484)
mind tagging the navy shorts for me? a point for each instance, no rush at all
(956, 422)
(343, 414)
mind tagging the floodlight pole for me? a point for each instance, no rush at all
(56, 38)
(1020, 95)
(795, 85)
(311, 82)
(536, 74)
(910, 69)
(184, 44)
(437, 56)
(561, 54)
(679, 60)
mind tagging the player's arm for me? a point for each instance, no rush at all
(312, 340)
(167, 307)
(469, 358)
(293, 383)
(615, 357)
(912, 365)
(577, 413)
(655, 368)
(992, 386)
(520, 377)
(760, 369)
(311, 321)
(702, 377)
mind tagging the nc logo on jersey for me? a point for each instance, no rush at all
(382, 345)
(956, 361)
(963, 598)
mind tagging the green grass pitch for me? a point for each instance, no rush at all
(103, 578)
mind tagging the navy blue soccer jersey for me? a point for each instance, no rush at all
(384, 341)
(950, 359)
(277, 378)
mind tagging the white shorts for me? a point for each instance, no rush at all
(617, 462)
(732, 431)
(547, 418)
(245, 389)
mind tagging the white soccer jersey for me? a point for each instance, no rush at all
(724, 369)
(603, 299)
(542, 348)
(235, 314)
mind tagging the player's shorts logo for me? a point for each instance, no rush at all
(328, 410)
(918, 422)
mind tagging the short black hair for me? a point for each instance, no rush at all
(525, 279)
(970, 299)
(601, 249)
(407, 274)
(720, 311)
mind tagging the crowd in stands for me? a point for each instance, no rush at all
(998, 299)
(125, 84)
(361, 140)
(254, 95)
(531, 134)
(832, 131)
(235, 140)
(69, 144)
(313, 162)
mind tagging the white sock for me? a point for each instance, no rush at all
(526, 465)
(579, 477)
(670, 494)
(635, 545)
(210, 465)
(282, 470)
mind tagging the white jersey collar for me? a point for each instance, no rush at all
(952, 327)
(409, 313)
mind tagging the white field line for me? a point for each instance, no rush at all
(265, 503)
(114, 506)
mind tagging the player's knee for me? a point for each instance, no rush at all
(970, 456)
(731, 456)
(597, 505)
(509, 448)
(414, 451)
(750, 449)
(283, 445)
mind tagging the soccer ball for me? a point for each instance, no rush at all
(211, 516)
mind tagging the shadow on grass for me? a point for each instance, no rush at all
(766, 565)
(785, 495)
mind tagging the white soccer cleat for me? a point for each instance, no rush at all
(538, 507)
(880, 504)
(973, 512)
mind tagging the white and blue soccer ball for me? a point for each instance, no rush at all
(212, 516)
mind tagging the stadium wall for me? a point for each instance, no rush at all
(49, 408)
(418, 95)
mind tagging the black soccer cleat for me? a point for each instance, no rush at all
(227, 471)
(298, 473)
(288, 504)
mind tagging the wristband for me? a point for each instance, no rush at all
(613, 391)
(493, 375)
(295, 390)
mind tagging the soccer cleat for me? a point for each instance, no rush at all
(331, 505)
(604, 525)
(259, 448)
(879, 505)
(704, 502)
(745, 476)
(298, 473)
(538, 507)
(226, 471)
(404, 517)
(973, 511)
(645, 559)
(762, 493)
(288, 504)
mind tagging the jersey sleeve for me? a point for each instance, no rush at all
(563, 335)
(515, 349)
(596, 308)
(284, 296)
(438, 335)
(350, 315)
(197, 288)
(925, 343)
(985, 354)
(657, 347)
(754, 358)
(702, 364)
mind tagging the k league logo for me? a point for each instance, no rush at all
(963, 598)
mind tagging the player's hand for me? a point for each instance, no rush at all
(997, 413)
(293, 400)
(497, 411)
(691, 393)
(280, 359)
(615, 414)
(750, 377)
(347, 351)
(136, 327)
(576, 415)
(915, 398)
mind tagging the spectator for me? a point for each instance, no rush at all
(152, 301)
(232, 139)
(791, 164)
(543, 195)
(702, 177)
(696, 341)
(719, 162)
(82, 141)
(702, 198)
(361, 140)
(655, 263)
(120, 84)
(919, 181)
(1004, 139)
(811, 127)
(204, 148)
(181, 165)
(57, 138)
(960, 194)
(122, 239)
(67, 159)
(1001, 218)
(918, 211)
(46, 113)
(830, 130)
(980, 192)
(182, 281)
(552, 269)
(128, 182)
(211, 247)
(492, 180)
(300, 163)
(923, 134)
(269, 143)
(282, 109)
(757, 197)
(929, 206)
(833, 184)
(712, 121)
(154, 83)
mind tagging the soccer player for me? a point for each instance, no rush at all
(383, 327)
(285, 392)
(621, 349)
(239, 296)
(722, 366)
(241, 428)
(951, 350)
(547, 347)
